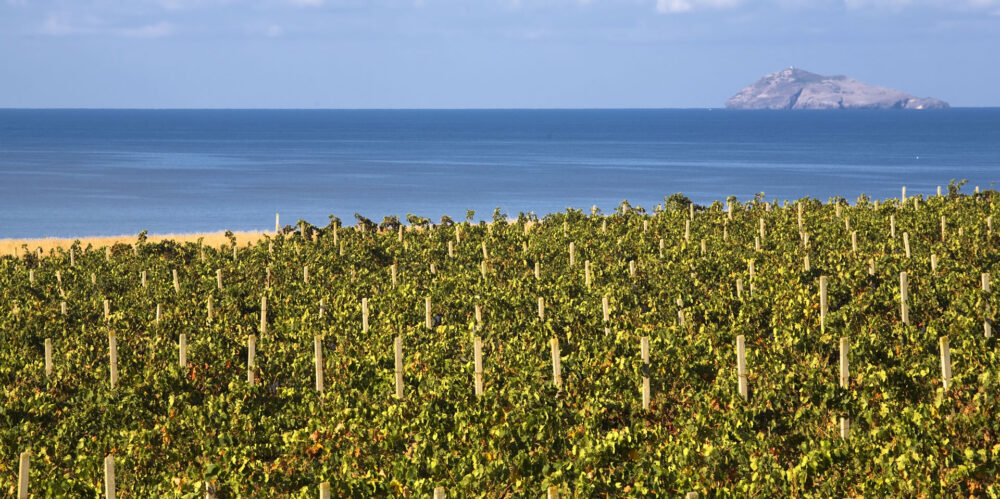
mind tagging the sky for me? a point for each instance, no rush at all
(481, 53)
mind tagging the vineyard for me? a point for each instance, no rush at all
(739, 349)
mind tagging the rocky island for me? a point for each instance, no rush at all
(795, 88)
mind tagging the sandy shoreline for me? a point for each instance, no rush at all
(15, 246)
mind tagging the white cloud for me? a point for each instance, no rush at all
(677, 6)
(157, 30)
(62, 24)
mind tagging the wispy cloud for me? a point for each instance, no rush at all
(61, 24)
(677, 6)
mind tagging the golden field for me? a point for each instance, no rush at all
(15, 246)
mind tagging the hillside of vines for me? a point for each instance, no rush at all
(558, 308)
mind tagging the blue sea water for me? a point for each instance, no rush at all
(106, 172)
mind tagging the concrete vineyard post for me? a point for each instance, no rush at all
(393, 271)
(322, 308)
(945, 362)
(605, 308)
(398, 350)
(845, 374)
(985, 279)
(107, 309)
(892, 226)
(364, 315)
(251, 357)
(31, 276)
(805, 263)
(318, 355)
(109, 476)
(751, 266)
(93, 278)
(439, 493)
(906, 243)
(987, 327)
(62, 307)
(482, 268)
(942, 228)
(799, 207)
(691, 211)
(143, 278)
(704, 249)
(934, 262)
(604, 226)
(177, 284)
(538, 270)
(59, 277)
(902, 197)
(854, 241)
(661, 247)
(556, 363)
(458, 235)
(691, 495)
(277, 225)
(324, 490)
(822, 302)
(586, 273)
(48, 357)
(218, 278)
(24, 467)
(572, 254)
(741, 365)
(644, 346)
(427, 312)
(761, 229)
(477, 350)
(631, 263)
(72, 257)
(159, 311)
(687, 230)
(182, 351)
(399, 237)
(486, 255)
(904, 294)
(211, 309)
(305, 274)
(451, 250)
(939, 191)
(541, 308)
(479, 317)
(739, 287)
(113, 355)
(845, 428)
(680, 311)
(645, 225)
(871, 266)
(836, 208)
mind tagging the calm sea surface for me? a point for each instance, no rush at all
(103, 172)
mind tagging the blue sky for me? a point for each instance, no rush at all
(481, 53)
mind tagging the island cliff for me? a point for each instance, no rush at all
(794, 88)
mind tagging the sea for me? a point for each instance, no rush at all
(74, 173)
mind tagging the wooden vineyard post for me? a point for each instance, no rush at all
(691, 211)
(486, 255)
(645, 372)
(398, 350)
(687, 231)
(871, 266)
(322, 308)
(904, 293)
(107, 309)
(645, 225)
(477, 350)
(805, 263)
(538, 270)
(939, 191)
(277, 224)
(739, 287)
(177, 284)
(586, 273)
(393, 271)
(572, 254)
(235, 250)
(263, 314)
(324, 490)
(892, 226)
(945, 362)
(451, 250)
(837, 209)
(458, 235)
(661, 247)
(902, 197)
(553, 492)
(24, 467)
(482, 269)
(854, 241)
(48, 357)
(364, 315)
(604, 226)
(906, 243)
(159, 311)
(31, 276)
(556, 363)
(845, 428)
(680, 311)
(109, 476)
(822, 303)
(182, 345)
(59, 277)
(541, 308)
(305, 274)
(93, 278)
(943, 228)
(72, 257)
(934, 262)
(318, 354)
(479, 317)
(845, 373)
(704, 249)
(799, 216)
(218, 278)
(987, 327)
(251, 357)
(142, 277)
(741, 365)
(989, 226)
(211, 309)
(113, 354)
(631, 266)
(761, 230)
(439, 493)
(62, 308)
(605, 308)
(427, 313)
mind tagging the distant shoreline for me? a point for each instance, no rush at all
(14, 246)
